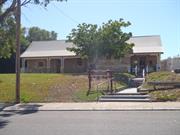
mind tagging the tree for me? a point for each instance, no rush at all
(107, 41)
(113, 39)
(85, 39)
(37, 34)
(7, 36)
(12, 6)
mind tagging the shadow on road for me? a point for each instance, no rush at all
(3, 123)
(23, 109)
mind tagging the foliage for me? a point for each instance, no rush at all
(107, 41)
(113, 39)
(85, 39)
(37, 34)
(7, 36)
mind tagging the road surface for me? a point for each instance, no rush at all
(90, 123)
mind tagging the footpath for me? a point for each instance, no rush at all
(96, 106)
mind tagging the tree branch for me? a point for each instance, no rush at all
(25, 2)
(8, 10)
(2, 1)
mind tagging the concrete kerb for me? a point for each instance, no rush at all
(108, 106)
(4, 105)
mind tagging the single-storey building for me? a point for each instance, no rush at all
(53, 56)
(170, 64)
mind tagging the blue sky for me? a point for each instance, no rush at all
(148, 17)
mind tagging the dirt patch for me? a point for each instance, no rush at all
(63, 90)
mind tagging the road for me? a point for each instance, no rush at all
(90, 123)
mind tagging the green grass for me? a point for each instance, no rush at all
(160, 76)
(34, 87)
(165, 94)
(47, 88)
(81, 96)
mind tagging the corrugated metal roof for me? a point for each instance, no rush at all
(48, 49)
(146, 44)
(143, 44)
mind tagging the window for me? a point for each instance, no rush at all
(40, 64)
(150, 62)
(79, 62)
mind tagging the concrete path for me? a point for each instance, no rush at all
(129, 90)
(95, 106)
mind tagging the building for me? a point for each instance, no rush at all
(53, 56)
(170, 64)
(146, 55)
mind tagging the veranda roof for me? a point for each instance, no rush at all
(143, 44)
(146, 44)
(48, 49)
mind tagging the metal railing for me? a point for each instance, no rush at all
(106, 88)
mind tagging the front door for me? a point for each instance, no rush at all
(142, 65)
(55, 65)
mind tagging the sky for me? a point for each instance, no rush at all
(147, 17)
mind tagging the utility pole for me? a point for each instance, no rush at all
(18, 27)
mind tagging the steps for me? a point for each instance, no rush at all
(125, 97)
(136, 82)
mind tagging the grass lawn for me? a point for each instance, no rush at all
(47, 88)
(165, 94)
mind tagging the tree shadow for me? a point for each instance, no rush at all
(28, 109)
(24, 109)
(3, 123)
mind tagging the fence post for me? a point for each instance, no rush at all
(109, 75)
(89, 78)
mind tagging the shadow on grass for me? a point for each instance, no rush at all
(23, 109)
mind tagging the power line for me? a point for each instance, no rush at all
(66, 15)
(26, 18)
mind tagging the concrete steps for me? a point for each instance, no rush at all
(125, 97)
(123, 100)
(136, 82)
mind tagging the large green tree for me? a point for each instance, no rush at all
(7, 36)
(37, 34)
(85, 39)
(113, 40)
(106, 41)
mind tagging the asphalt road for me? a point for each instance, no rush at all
(90, 123)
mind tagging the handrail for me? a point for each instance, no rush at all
(97, 88)
(107, 81)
